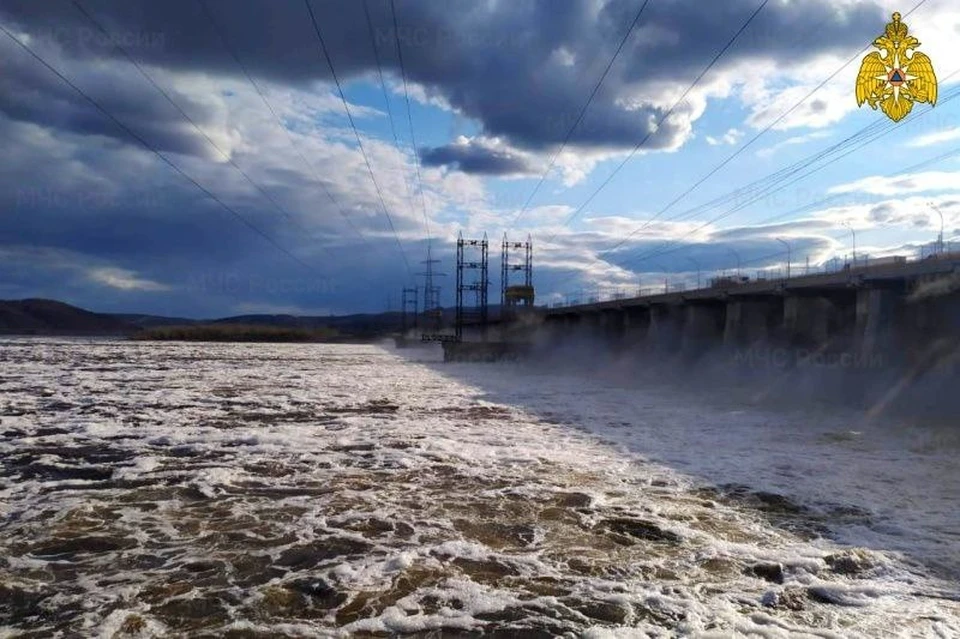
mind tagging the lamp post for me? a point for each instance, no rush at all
(788, 256)
(940, 239)
(697, 265)
(847, 224)
(736, 255)
(666, 281)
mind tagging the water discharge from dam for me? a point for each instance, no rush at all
(313, 490)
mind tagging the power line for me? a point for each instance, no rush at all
(889, 129)
(149, 147)
(868, 134)
(773, 179)
(386, 100)
(184, 114)
(356, 133)
(773, 188)
(814, 205)
(770, 181)
(750, 142)
(873, 129)
(732, 194)
(583, 111)
(910, 169)
(413, 136)
(663, 118)
(226, 43)
(791, 170)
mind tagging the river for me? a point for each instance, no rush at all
(255, 490)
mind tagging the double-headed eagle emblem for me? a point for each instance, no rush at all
(896, 76)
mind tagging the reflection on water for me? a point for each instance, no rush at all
(265, 490)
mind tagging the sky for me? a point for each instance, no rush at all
(205, 158)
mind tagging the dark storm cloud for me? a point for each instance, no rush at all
(31, 93)
(61, 237)
(521, 69)
(76, 214)
(478, 159)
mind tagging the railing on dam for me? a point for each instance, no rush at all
(861, 265)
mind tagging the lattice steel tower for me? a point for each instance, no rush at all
(409, 303)
(478, 313)
(432, 311)
(513, 296)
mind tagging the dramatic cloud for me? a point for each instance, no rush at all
(522, 70)
(479, 156)
(94, 214)
(578, 265)
(908, 215)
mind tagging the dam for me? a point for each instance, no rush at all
(905, 312)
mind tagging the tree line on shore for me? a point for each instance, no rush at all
(236, 333)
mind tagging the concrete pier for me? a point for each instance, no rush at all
(908, 312)
(703, 328)
(636, 327)
(877, 316)
(752, 321)
(807, 320)
(613, 326)
(665, 329)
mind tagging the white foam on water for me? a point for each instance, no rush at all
(313, 490)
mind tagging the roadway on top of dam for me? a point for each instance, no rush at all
(853, 277)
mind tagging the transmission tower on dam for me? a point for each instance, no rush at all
(519, 295)
(409, 309)
(432, 311)
(476, 314)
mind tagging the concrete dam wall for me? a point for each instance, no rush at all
(869, 331)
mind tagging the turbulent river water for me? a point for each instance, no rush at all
(167, 489)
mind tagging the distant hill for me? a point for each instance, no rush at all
(361, 325)
(219, 332)
(358, 325)
(292, 321)
(49, 317)
(152, 321)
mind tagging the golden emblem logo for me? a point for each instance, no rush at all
(897, 75)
